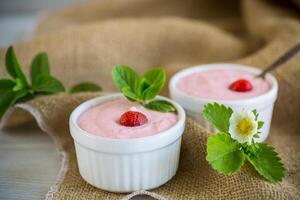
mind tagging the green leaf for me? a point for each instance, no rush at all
(140, 89)
(144, 85)
(85, 87)
(125, 77)
(160, 106)
(6, 100)
(22, 95)
(267, 163)
(260, 124)
(19, 85)
(5, 85)
(255, 114)
(6, 95)
(13, 66)
(131, 96)
(218, 115)
(224, 154)
(49, 84)
(39, 66)
(155, 78)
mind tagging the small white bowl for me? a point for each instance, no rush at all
(126, 165)
(194, 105)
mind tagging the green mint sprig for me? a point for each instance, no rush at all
(227, 155)
(142, 89)
(18, 87)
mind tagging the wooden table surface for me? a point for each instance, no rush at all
(29, 163)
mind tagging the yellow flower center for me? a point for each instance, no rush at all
(245, 127)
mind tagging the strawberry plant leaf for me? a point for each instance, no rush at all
(260, 124)
(218, 115)
(224, 154)
(267, 162)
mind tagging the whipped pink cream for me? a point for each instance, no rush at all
(102, 120)
(214, 84)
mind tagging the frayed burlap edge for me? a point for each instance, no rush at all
(64, 156)
(143, 192)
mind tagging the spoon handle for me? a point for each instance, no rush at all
(282, 59)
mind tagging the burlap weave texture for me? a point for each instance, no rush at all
(84, 42)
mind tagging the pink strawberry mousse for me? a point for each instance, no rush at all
(214, 84)
(103, 120)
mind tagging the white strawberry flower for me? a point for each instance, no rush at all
(243, 126)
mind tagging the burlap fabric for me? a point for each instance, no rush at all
(85, 41)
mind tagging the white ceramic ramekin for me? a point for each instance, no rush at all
(194, 105)
(126, 165)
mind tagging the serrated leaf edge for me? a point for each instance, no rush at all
(222, 172)
(278, 159)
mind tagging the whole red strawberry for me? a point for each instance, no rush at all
(132, 118)
(241, 85)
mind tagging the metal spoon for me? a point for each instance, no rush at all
(282, 59)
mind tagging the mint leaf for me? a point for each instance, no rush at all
(39, 66)
(125, 77)
(218, 115)
(6, 95)
(155, 78)
(48, 84)
(160, 106)
(22, 94)
(19, 85)
(6, 100)
(131, 96)
(140, 89)
(224, 154)
(144, 84)
(267, 163)
(85, 87)
(5, 85)
(18, 89)
(13, 66)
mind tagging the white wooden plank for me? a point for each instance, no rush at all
(29, 163)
